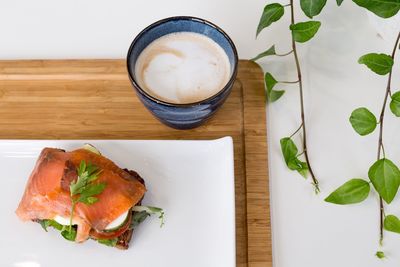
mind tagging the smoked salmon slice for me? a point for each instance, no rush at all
(47, 191)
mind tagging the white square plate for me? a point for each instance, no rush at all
(192, 181)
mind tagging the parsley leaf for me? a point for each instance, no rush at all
(89, 191)
(83, 190)
(69, 234)
(50, 223)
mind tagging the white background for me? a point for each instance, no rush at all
(307, 232)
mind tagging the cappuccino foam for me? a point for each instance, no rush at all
(182, 68)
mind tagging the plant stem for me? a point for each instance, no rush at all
(315, 181)
(288, 81)
(298, 129)
(380, 140)
(298, 155)
(282, 55)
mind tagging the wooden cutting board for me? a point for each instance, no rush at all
(93, 99)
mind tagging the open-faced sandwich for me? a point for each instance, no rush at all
(85, 196)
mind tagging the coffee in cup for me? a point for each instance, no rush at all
(182, 68)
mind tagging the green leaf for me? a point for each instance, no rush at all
(339, 2)
(272, 12)
(303, 167)
(381, 8)
(87, 173)
(270, 52)
(380, 254)
(297, 165)
(93, 189)
(138, 218)
(275, 95)
(379, 63)
(50, 223)
(45, 224)
(154, 209)
(304, 31)
(69, 234)
(312, 7)
(83, 190)
(270, 82)
(82, 167)
(385, 176)
(363, 121)
(289, 151)
(395, 104)
(392, 224)
(353, 191)
(88, 200)
(108, 242)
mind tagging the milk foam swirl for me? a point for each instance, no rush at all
(182, 68)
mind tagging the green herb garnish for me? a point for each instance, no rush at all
(50, 223)
(69, 234)
(83, 190)
(108, 242)
(142, 212)
(138, 217)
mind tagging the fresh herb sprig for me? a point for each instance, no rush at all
(142, 212)
(384, 175)
(83, 190)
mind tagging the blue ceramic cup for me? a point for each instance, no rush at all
(182, 116)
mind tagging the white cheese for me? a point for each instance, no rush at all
(62, 220)
(118, 222)
(114, 224)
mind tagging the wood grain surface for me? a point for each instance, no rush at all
(93, 99)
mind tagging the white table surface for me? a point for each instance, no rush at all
(307, 232)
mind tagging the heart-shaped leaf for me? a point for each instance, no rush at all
(312, 7)
(289, 151)
(381, 8)
(304, 31)
(353, 191)
(379, 63)
(275, 95)
(392, 224)
(270, 83)
(363, 121)
(395, 104)
(272, 12)
(385, 176)
(270, 52)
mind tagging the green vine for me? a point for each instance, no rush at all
(384, 175)
(301, 32)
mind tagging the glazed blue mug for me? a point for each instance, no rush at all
(187, 115)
